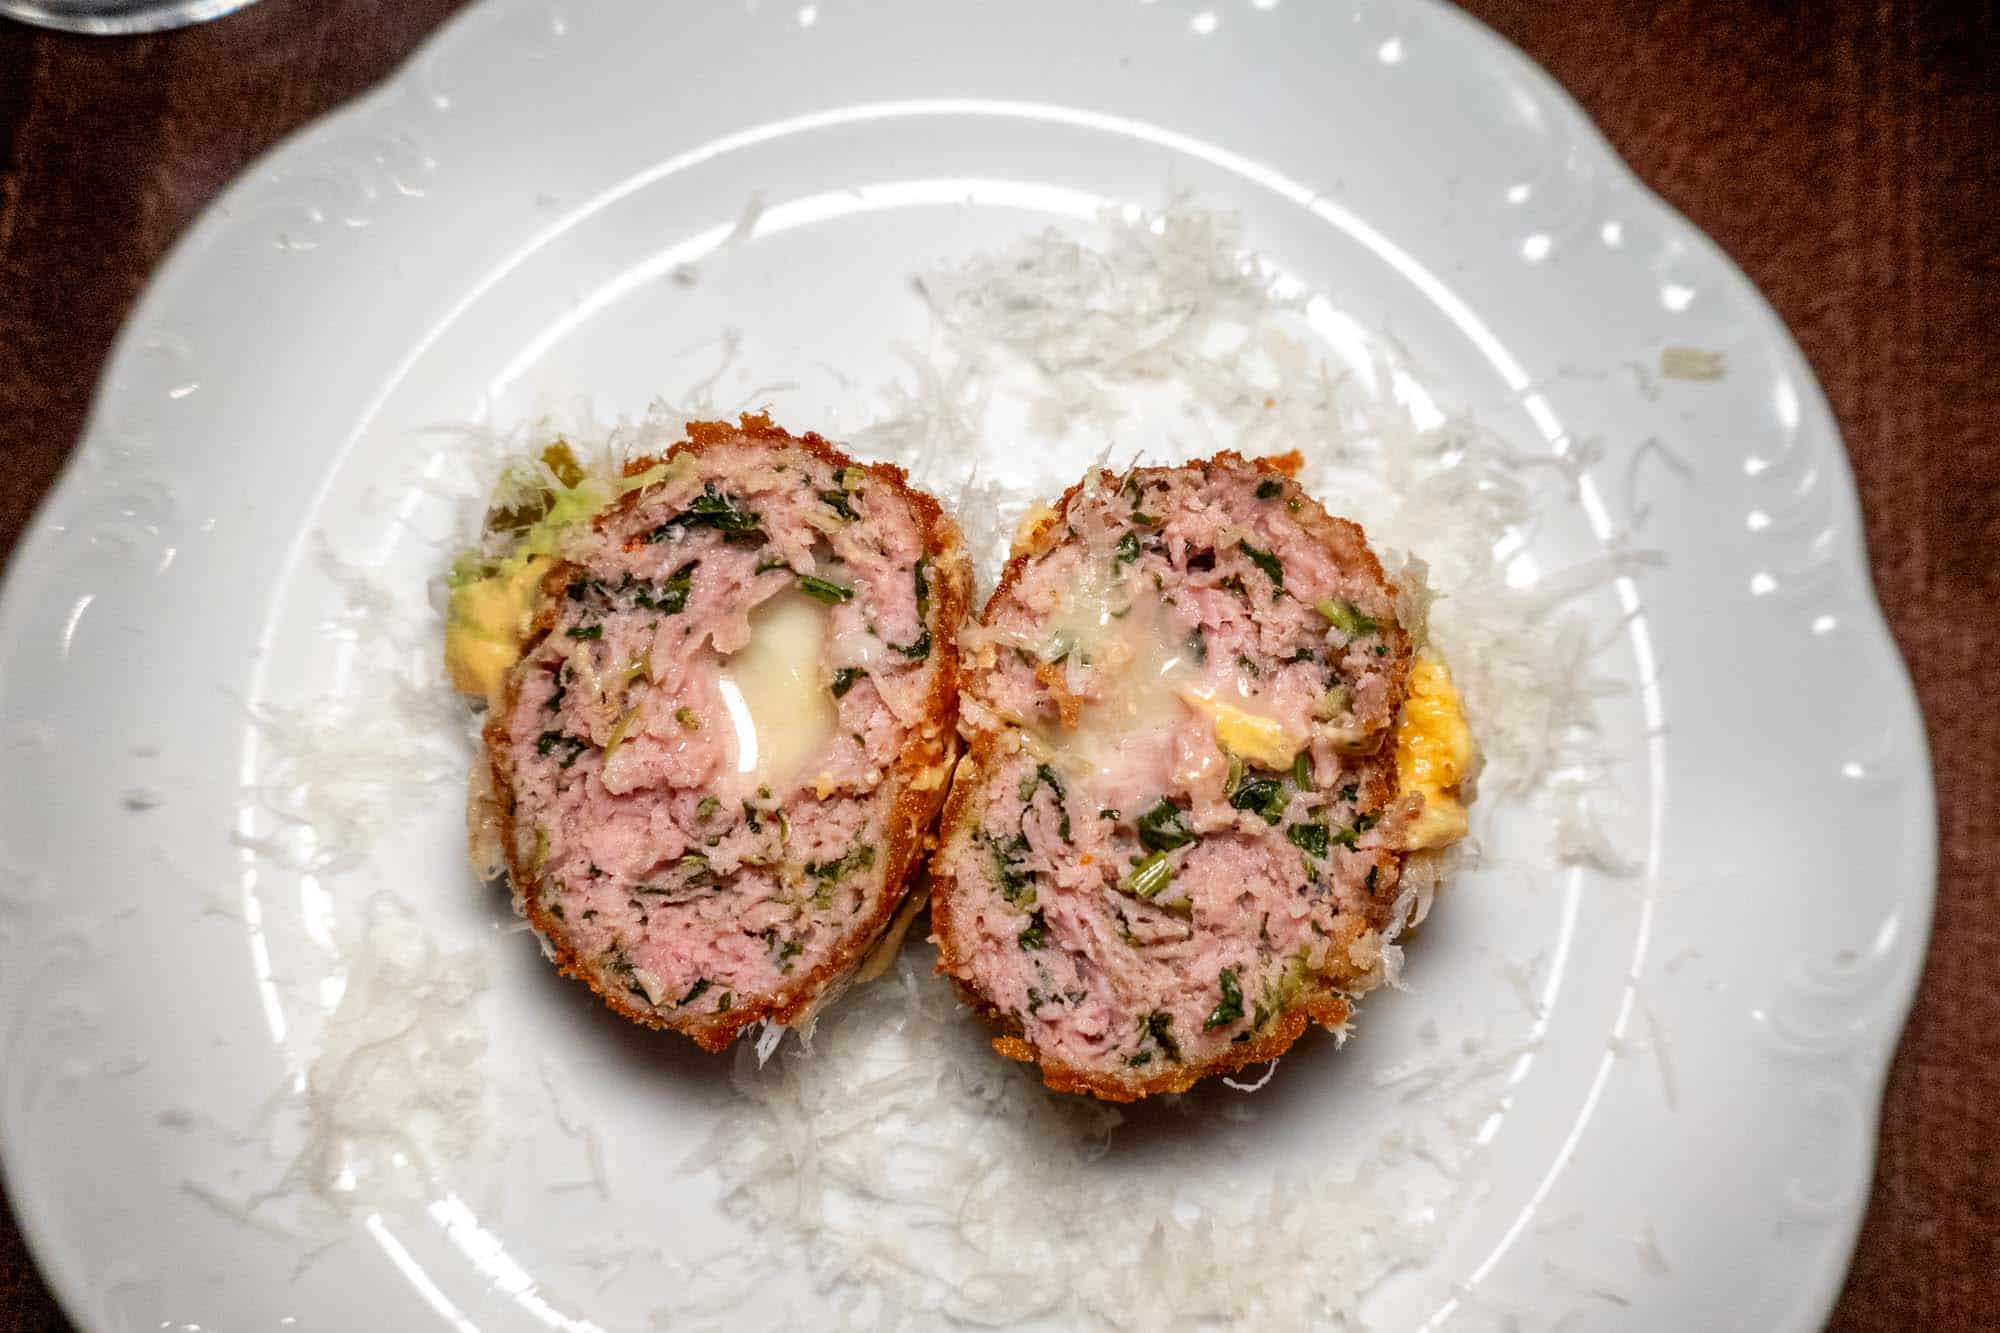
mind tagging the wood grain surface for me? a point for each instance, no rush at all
(1845, 153)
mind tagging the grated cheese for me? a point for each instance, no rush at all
(399, 1086)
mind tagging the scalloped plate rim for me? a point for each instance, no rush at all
(1815, 410)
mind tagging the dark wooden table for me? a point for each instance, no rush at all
(1846, 153)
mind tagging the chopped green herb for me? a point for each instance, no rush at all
(923, 587)
(1151, 876)
(1308, 838)
(1128, 550)
(1143, 1058)
(1036, 936)
(1145, 520)
(705, 811)
(1266, 796)
(549, 741)
(1161, 829)
(1270, 488)
(843, 680)
(1160, 1027)
(1302, 773)
(1348, 837)
(585, 631)
(694, 992)
(837, 502)
(1044, 774)
(1197, 641)
(726, 1003)
(916, 650)
(832, 872)
(688, 719)
(1017, 882)
(1111, 814)
(821, 590)
(1231, 1007)
(769, 563)
(712, 509)
(1343, 617)
(1265, 561)
(673, 596)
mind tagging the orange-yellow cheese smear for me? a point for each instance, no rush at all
(1434, 753)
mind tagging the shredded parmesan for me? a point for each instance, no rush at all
(398, 1086)
(903, 1162)
(1691, 363)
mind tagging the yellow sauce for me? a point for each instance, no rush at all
(485, 624)
(774, 690)
(1434, 753)
(1260, 740)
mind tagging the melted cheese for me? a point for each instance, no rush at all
(1147, 672)
(1434, 753)
(781, 711)
(1100, 620)
(1141, 667)
(484, 627)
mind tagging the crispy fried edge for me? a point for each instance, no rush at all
(918, 776)
(1323, 1001)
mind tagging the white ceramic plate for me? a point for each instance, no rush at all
(1687, 1141)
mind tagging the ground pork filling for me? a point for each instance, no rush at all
(1181, 712)
(697, 749)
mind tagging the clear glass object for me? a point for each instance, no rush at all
(110, 18)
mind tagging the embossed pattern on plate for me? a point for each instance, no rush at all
(1718, 1040)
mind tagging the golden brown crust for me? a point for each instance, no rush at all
(1323, 1000)
(910, 814)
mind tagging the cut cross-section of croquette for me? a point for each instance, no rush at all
(1180, 832)
(730, 727)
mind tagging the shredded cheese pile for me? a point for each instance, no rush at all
(400, 1083)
